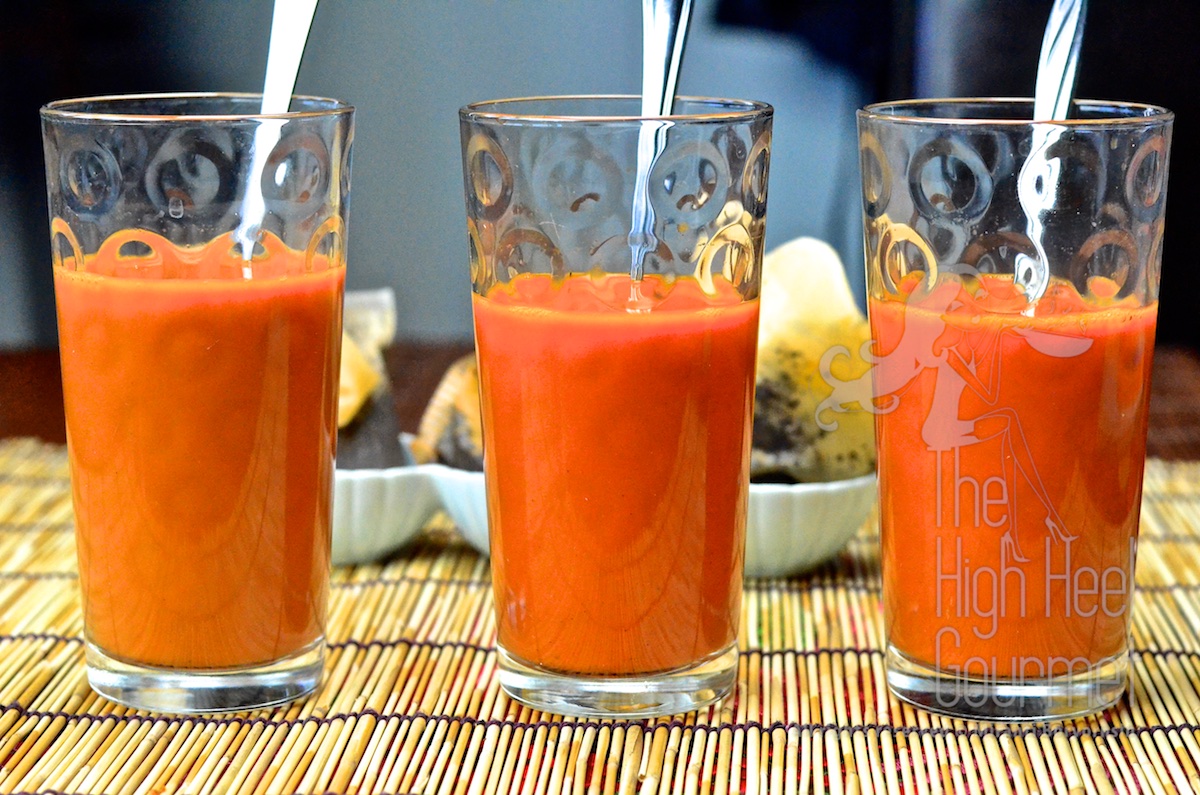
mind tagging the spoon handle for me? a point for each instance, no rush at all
(1037, 183)
(290, 24)
(664, 31)
(1059, 60)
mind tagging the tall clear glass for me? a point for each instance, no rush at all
(1013, 281)
(198, 252)
(616, 331)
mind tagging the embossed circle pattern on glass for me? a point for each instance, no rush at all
(946, 185)
(559, 202)
(173, 164)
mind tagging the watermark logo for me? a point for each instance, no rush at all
(949, 363)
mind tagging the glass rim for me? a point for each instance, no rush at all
(67, 109)
(908, 111)
(725, 110)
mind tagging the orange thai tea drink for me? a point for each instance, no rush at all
(1013, 339)
(1041, 546)
(653, 510)
(211, 429)
(200, 380)
(617, 383)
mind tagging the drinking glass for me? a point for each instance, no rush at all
(198, 254)
(1013, 280)
(616, 320)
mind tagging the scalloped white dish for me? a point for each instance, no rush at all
(377, 511)
(789, 528)
(465, 500)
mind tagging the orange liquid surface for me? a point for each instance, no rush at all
(616, 448)
(1010, 483)
(201, 428)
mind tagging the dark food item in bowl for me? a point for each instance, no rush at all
(811, 338)
(450, 431)
(788, 443)
(372, 439)
(368, 427)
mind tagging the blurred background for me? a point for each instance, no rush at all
(408, 65)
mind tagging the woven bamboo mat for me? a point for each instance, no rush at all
(411, 703)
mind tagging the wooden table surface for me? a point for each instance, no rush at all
(31, 393)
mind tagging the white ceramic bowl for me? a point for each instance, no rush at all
(465, 500)
(377, 511)
(789, 528)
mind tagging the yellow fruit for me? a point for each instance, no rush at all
(357, 381)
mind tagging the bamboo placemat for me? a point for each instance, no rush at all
(411, 703)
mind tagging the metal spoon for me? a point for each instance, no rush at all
(1059, 60)
(290, 23)
(664, 32)
(1037, 184)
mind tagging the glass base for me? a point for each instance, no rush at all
(643, 696)
(1005, 700)
(200, 691)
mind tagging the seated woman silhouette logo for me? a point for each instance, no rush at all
(941, 347)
